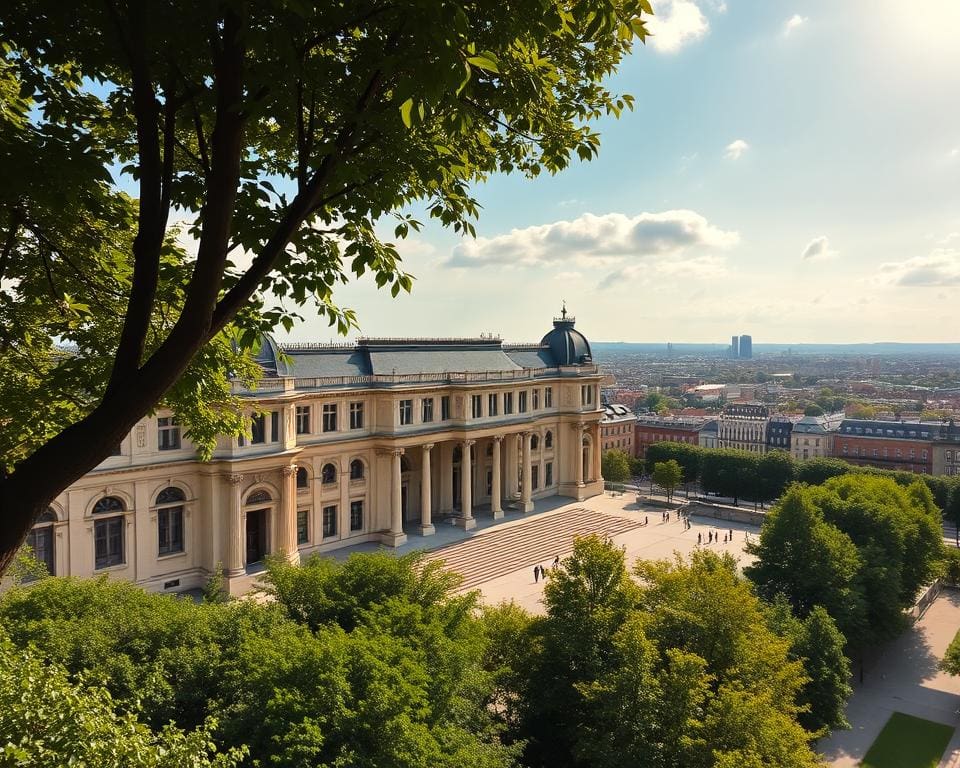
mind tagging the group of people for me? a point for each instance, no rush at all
(713, 536)
(540, 571)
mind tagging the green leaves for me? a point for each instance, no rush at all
(485, 60)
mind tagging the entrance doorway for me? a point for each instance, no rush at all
(256, 536)
(456, 487)
(403, 503)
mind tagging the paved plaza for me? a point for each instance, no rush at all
(498, 560)
(905, 679)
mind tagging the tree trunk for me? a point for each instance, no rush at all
(61, 461)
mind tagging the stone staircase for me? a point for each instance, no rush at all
(499, 551)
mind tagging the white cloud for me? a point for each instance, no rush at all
(941, 267)
(794, 22)
(589, 240)
(704, 267)
(818, 249)
(735, 149)
(954, 153)
(675, 24)
(568, 276)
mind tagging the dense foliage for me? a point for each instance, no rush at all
(860, 547)
(764, 477)
(676, 667)
(668, 475)
(377, 661)
(615, 466)
(371, 662)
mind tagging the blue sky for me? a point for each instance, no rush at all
(792, 170)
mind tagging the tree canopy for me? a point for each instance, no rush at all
(668, 475)
(615, 466)
(283, 134)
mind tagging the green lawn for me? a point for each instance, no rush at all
(908, 742)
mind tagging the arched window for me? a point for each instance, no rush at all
(303, 479)
(40, 540)
(404, 464)
(108, 504)
(170, 520)
(356, 470)
(457, 454)
(108, 533)
(534, 443)
(489, 449)
(258, 497)
(328, 474)
(170, 495)
(548, 440)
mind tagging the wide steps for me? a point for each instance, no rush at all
(537, 540)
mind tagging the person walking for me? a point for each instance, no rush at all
(699, 539)
(556, 561)
(536, 573)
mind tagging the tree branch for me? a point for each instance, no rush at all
(16, 217)
(152, 213)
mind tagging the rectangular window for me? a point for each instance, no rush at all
(108, 542)
(303, 419)
(303, 526)
(258, 429)
(330, 521)
(170, 530)
(535, 476)
(492, 404)
(356, 515)
(476, 406)
(536, 399)
(489, 482)
(507, 403)
(548, 397)
(445, 408)
(274, 426)
(427, 409)
(329, 417)
(548, 474)
(40, 540)
(522, 401)
(168, 434)
(923, 455)
(117, 450)
(406, 411)
(356, 415)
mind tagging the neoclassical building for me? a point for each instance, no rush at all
(743, 425)
(376, 441)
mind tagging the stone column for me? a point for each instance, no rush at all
(234, 528)
(287, 519)
(396, 485)
(526, 493)
(578, 431)
(512, 464)
(466, 519)
(495, 495)
(426, 480)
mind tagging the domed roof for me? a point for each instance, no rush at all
(567, 345)
(270, 358)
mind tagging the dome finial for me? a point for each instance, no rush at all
(563, 312)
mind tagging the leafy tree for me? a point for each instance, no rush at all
(667, 474)
(858, 410)
(615, 466)
(952, 511)
(686, 455)
(285, 131)
(48, 719)
(813, 410)
(951, 658)
(775, 472)
(810, 562)
(818, 470)
(731, 473)
(820, 644)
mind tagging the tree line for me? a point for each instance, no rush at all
(764, 477)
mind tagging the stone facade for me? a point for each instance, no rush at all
(372, 442)
(743, 426)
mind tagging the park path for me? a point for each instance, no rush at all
(905, 679)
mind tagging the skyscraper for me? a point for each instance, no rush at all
(746, 347)
(734, 346)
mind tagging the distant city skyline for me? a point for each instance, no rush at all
(791, 168)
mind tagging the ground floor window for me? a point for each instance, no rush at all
(548, 474)
(170, 530)
(108, 542)
(356, 515)
(535, 476)
(303, 526)
(329, 521)
(40, 540)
